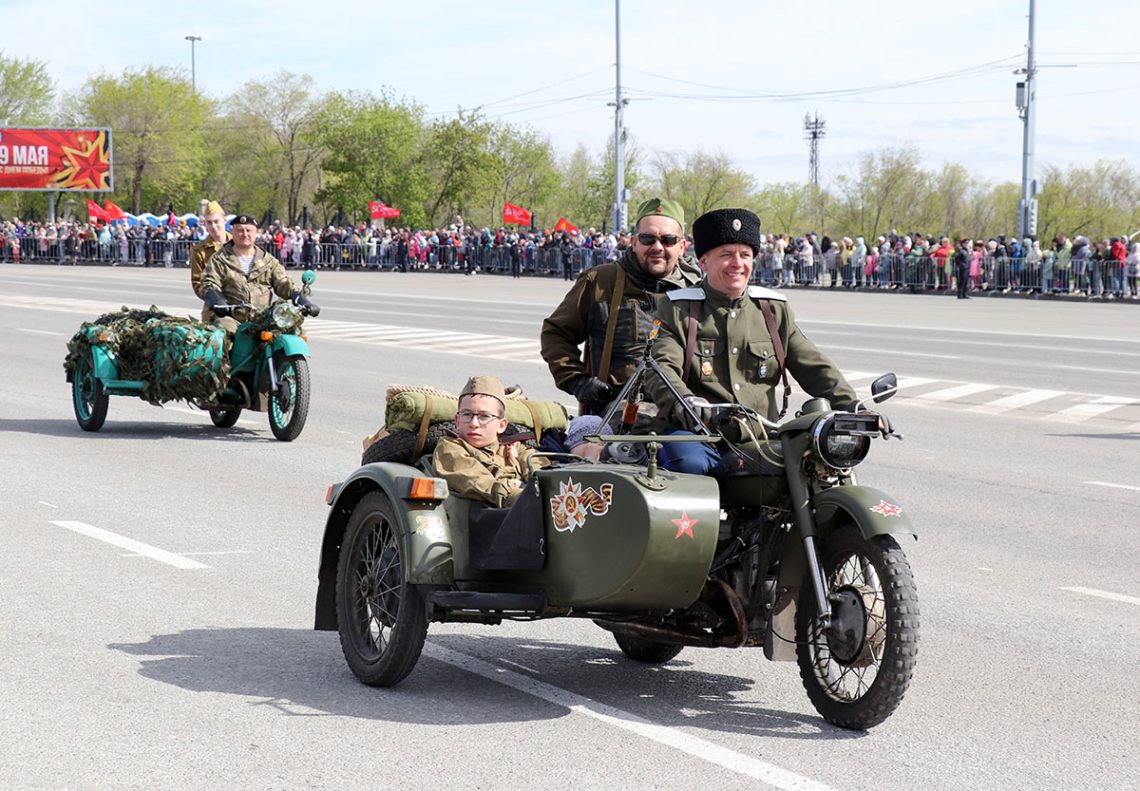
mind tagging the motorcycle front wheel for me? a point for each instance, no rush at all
(87, 396)
(289, 406)
(381, 617)
(857, 671)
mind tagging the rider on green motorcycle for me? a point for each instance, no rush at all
(724, 341)
(242, 273)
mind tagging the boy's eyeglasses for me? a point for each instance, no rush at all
(479, 418)
(666, 239)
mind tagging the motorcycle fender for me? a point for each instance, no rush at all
(874, 511)
(104, 363)
(291, 345)
(424, 531)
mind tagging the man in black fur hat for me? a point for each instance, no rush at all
(727, 341)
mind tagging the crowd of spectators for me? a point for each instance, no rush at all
(1106, 269)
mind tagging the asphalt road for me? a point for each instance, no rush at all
(187, 660)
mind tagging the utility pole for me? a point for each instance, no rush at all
(1026, 109)
(193, 80)
(620, 214)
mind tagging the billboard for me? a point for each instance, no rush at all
(72, 160)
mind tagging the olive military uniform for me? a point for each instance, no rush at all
(223, 273)
(494, 474)
(200, 253)
(734, 357)
(585, 314)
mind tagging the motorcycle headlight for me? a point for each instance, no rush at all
(841, 440)
(286, 316)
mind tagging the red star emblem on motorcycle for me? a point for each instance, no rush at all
(684, 525)
(887, 509)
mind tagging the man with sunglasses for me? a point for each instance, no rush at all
(474, 463)
(610, 308)
(726, 341)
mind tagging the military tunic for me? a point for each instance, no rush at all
(223, 273)
(735, 359)
(584, 314)
(494, 474)
(200, 253)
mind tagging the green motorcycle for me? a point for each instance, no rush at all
(790, 555)
(264, 367)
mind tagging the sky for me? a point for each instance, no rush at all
(718, 76)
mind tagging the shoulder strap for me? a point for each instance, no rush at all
(425, 422)
(611, 326)
(534, 416)
(778, 344)
(690, 344)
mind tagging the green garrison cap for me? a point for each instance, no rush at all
(484, 385)
(663, 207)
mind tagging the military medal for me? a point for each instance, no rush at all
(706, 368)
(763, 370)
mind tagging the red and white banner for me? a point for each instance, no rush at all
(95, 211)
(380, 211)
(516, 214)
(564, 225)
(56, 159)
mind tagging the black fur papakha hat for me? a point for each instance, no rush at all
(726, 226)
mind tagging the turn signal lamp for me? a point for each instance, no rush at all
(266, 335)
(422, 489)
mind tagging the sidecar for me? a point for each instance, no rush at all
(585, 539)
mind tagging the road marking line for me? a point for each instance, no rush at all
(521, 667)
(40, 332)
(138, 547)
(1114, 485)
(914, 381)
(670, 737)
(49, 505)
(855, 376)
(961, 391)
(893, 352)
(1095, 370)
(1093, 408)
(1019, 400)
(1105, 595)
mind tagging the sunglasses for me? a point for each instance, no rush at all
(666, 239)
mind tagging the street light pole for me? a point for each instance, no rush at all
(1027, 106)
(619, 207)
(193, 80)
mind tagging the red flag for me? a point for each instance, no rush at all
(95, 211)
(515, 214)
(564, 225)
(380, 211)
(113, 212)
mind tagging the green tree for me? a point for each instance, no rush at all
(26, 92)
(522, 169)
(157, 127)
(374, 151)
(700, 181)
(785, 207)
(265, 125)
(458, 159)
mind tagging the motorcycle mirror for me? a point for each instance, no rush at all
(308, 276)
(884, 387)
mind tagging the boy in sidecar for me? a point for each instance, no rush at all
(475, 464)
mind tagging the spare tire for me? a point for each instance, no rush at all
(400, 447)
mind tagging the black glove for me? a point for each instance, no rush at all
(699, 405)
(216, 302)
(307, 307)
(593, 394)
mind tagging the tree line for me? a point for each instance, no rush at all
(282, 149)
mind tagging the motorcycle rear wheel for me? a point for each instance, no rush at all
(87, 396)
(287, 420)
(650, 652)
(381, 617)
(856, 676)
(225, 418)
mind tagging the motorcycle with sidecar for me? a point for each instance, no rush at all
(267, 364)
(789, 555)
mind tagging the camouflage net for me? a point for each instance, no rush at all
(175, 358)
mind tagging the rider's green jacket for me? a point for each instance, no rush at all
(200, 253)
(584, 317)
(734, 359)
(266, 277)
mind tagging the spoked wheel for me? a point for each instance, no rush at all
(650, 652)
(380, 616)
(289, 404)
(87, 396)
(857, 671)
(225, 418)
